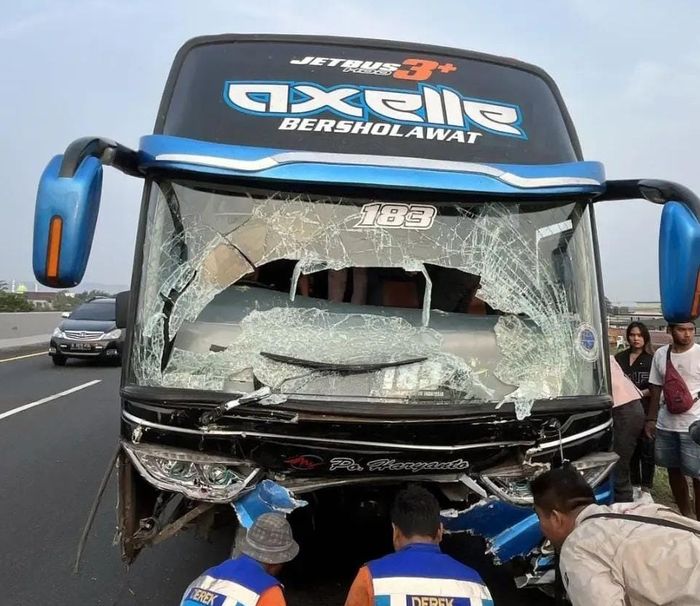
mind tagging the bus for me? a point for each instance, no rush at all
(359, 263)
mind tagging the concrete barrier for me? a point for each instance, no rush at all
(28, 328)
(28, 324)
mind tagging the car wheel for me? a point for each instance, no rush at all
(58, 360)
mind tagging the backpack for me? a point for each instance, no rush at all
(677, 396)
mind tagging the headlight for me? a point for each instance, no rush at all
(115, 334)
(596, 467)
(198, 476)
(509, 482)
(58, 333)
(512, 484)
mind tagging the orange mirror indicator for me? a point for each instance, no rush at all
(53, 251)
(695, 311)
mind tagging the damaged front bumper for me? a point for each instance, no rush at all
(264, 458)
(500, 510)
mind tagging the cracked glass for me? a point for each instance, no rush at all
(383, 301)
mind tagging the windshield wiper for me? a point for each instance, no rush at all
(340, 367)
(263, 396)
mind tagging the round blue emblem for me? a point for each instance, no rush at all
(587, 342)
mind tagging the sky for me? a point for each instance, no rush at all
(629, 73)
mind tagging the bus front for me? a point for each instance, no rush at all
(359, 263)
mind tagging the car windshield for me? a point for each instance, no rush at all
(383, 301)
(103, 312)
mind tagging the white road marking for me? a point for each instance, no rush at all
(14, 411)
(41, 353)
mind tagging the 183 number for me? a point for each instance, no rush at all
(401, 216)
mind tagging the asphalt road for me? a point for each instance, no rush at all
(54, 455)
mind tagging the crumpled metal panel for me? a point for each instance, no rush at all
(266, 497)
(510, 531)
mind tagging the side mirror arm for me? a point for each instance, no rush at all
(108, 152)
(653, 190)
(679, 241)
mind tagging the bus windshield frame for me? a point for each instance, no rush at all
(197, 325)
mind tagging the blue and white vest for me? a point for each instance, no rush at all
(238, 582)
(421, 575)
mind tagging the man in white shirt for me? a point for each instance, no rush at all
(675, 450)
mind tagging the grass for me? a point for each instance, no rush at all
(662, 491)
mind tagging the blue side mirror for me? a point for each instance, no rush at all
(64, 222)
(679, 263)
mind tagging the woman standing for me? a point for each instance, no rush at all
(636, 364)
(628, 423)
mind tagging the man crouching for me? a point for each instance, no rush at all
(624, 555)
(418, 573)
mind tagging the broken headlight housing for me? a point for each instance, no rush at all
(512, 482)
(198, 476)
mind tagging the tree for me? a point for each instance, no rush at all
(65, 301)
(14, 302)
(62, 302)
(91, 294)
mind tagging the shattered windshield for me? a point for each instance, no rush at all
(381, 301)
